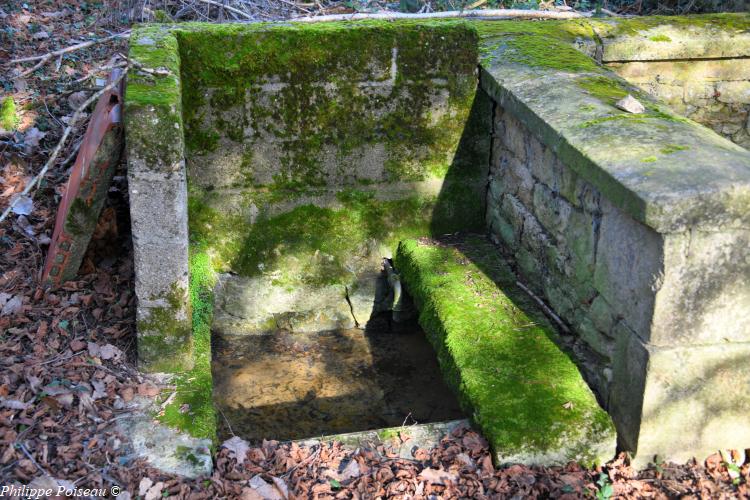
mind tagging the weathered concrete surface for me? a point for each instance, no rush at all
(252, 306)
(158, 204)
(639, 162)
(635, 231)
(662, 38)
(698, 65)
(165, 448)
(715, 93)
(681, 402)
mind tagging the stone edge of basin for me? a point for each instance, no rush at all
(165, 448)
(456, 283)
(667, 172)
(157, 184)
(405, 439)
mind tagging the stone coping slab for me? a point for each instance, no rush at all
(404, 440)
(497, 351)
(713, 36)
(664, 170)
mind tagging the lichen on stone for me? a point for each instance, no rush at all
(165, 342)
(292, 83)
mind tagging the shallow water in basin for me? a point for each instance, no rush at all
(297, 385)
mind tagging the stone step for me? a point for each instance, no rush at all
(404, 439)
(496, 350)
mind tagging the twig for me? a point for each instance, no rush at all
(35, 67)
(544, 307)
(72, 154)
(226, 420)
(44, 58)
(311, 457)
(76, 116)
(33, 460)
(168, 400)
(231, 9)
(478, 14)
(97, 70)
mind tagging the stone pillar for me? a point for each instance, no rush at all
(681, 382)
(158, 203)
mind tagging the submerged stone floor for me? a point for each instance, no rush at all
(288, 385)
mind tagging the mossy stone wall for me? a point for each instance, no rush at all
(313, 149)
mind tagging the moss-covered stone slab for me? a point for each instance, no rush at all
(498, 352)
(158, 201)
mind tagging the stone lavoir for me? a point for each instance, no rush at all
(598, 292)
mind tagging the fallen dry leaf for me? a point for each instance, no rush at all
(436, 476)
(148, 389)
(238, 447)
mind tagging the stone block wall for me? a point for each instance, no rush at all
(698, 65)
(658, 319)
(715, 93)
(293, 158)
(550, 220)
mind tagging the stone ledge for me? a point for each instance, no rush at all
(667, 172)
(165, 448)
(497, 352)
(404, 440)
(656, 38)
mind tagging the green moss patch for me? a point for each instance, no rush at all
(328, 91)
(737, 22)
(316, 245)
(192, 409)
(544, 44)
(8, 116)
(498, 352)
(153, 99)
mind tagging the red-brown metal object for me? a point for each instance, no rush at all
(87, 187)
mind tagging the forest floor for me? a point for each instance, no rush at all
(67, 355)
